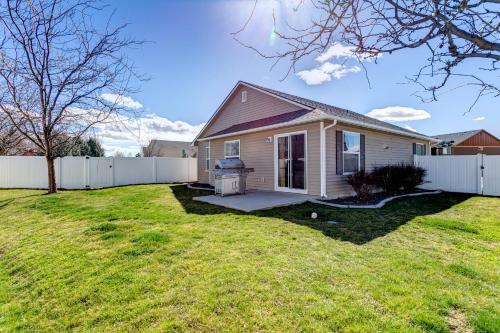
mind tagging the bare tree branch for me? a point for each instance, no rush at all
(54, 67)
(453, 31)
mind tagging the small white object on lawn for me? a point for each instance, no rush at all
(314, 215)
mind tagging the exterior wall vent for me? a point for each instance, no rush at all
(243, 96)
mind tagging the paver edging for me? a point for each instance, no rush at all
(378, 205)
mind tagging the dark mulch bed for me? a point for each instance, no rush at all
(374, 199)
(202, 185)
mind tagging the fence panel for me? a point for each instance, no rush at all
(491, 175)
(71, 172)
(95, 172)
(100, 172)
(172, 170)
(134, 170)
(451, 173)
(23, 172)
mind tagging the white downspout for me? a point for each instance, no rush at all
(322, 150)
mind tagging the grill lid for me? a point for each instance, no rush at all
(229, 163)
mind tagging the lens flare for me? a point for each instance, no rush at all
(272, 36)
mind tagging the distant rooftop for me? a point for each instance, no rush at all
(456, 137)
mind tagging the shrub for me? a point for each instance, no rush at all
(392, 178)
(388, 178)
(412, 177)
(362, 184)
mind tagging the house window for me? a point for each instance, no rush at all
(207, 157)
(232, 149)
(243, 96)
(446, 151)
(351, 152)
(420, 149)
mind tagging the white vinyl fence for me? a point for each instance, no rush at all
(95, 172)
(462, 173)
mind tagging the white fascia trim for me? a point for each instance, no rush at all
(259, 129)
(324, 116)
(209, 122)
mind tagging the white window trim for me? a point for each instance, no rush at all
(420, 144)
(343, 152)
(243, 96)
(239, 149)
(207, 157)
(306, 171)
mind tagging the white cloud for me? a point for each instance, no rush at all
(398, 113)
(337, 50)
(128, 135)
(325, 72)
(479, 118)
(409, 128)
(125, 101)
(125, 150)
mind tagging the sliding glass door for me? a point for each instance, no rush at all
(290, 162)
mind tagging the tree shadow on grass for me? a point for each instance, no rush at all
(358, 226)
(5, 202)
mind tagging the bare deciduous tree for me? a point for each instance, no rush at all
(453, 31)
(10, 138)
(147, 150)
(54, 67)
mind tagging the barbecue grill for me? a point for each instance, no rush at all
(230, 176)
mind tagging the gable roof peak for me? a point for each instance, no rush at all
(329, 111)
(337, 112)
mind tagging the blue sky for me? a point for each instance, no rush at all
(193, 62)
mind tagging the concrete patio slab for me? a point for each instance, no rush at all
(256, 200)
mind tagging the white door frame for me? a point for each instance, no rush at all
(276, 166)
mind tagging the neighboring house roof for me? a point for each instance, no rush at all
(456, 137)
(321, 111)
(167, 147)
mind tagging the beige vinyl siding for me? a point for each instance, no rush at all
(202, 174)
(258, 105)
(399, 150)
(257, 153)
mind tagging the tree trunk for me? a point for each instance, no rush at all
(52, 175)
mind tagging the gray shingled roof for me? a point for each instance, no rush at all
(335, 111)
(456, 137)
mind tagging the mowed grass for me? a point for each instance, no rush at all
(148, 258)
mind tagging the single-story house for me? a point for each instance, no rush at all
(466, 143)
(300, 145)
(165, 148)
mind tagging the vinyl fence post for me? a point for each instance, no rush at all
(59, 173)
(87, 172)
(155, 172)
(112, 172)
(480, 174)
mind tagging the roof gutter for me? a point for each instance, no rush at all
(323, 117)
(382, 129)
(259, 129)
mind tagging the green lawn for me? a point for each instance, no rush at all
(148, 258)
